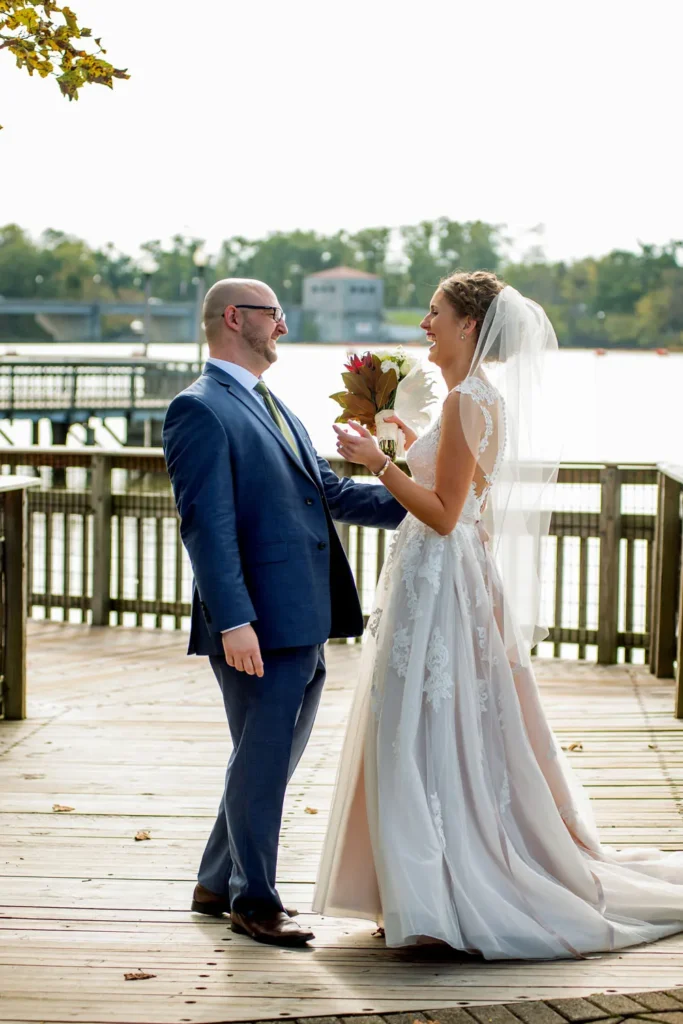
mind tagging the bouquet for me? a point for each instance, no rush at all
(374, 382)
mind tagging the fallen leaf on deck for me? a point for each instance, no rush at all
(138, 976)
(575, 746)
(61, 808)
(379, 934)
(139, 836)
(310, 810)
(652, 746)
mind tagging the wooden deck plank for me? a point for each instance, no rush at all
(111, 732)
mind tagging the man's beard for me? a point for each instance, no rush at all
(258, 344)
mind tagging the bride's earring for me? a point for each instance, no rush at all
(462, 336)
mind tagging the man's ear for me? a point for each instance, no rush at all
(231, 317)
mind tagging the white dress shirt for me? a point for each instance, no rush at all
(243, 376)
(247, 379)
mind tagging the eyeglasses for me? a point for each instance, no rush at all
(276, 312)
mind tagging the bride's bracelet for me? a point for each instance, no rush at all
(380, 472)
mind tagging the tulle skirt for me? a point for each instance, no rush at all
(456, 817)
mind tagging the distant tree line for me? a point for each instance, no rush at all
(625, 299)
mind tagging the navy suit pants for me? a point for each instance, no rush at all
(270, 721)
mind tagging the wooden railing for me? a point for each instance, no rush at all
(13, 595)
(105, 548)
(666, 653)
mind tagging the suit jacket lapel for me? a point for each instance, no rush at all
(258, 409)
(305, 447)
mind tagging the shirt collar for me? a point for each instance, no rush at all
(243, 376)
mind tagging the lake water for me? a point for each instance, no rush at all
(619, 407)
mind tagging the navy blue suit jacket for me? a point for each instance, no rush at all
(257, 521)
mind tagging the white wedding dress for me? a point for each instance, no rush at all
(456, 817)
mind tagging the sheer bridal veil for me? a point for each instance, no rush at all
(518, 443)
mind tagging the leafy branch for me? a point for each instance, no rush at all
(45, 38)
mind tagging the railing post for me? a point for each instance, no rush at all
(610, 533)
(665, 578)
(101, 506)
(16, 544)
(678, 702)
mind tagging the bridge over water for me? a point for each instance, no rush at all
(69, 390)
(58, 320)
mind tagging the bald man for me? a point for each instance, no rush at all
(271, 585)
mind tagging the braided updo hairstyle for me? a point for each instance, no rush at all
(471, 294)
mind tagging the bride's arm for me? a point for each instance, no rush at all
(439, 508)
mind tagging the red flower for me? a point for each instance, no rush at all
(354, 364)
(367, 359)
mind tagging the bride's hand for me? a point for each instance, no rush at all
(362, 450)
(409, 435)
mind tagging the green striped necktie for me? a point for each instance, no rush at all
(277, 416)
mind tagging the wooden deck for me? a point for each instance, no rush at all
(131, 734)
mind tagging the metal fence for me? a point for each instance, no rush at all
(104, 548)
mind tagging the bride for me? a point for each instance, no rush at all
(456, 817)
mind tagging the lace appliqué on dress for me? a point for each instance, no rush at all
(438, 685)
(482, 641)
(400, 651)
(504, 802)
(375, 697)
(430, 569)
(411, 553)
(437, 818)
(374, 621)
(483, 394)
(499, 710)
(421, 456)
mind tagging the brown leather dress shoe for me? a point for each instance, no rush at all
(276, 930)
(206, 902)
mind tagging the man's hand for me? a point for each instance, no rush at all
(242, 650)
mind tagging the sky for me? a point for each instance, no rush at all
(252, 117)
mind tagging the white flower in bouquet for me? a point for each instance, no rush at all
(391, 364)
(407, 365)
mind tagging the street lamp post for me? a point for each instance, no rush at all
(200, 259)
(148, 268)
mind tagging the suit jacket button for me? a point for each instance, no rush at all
(309, 501)
(321, 545)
